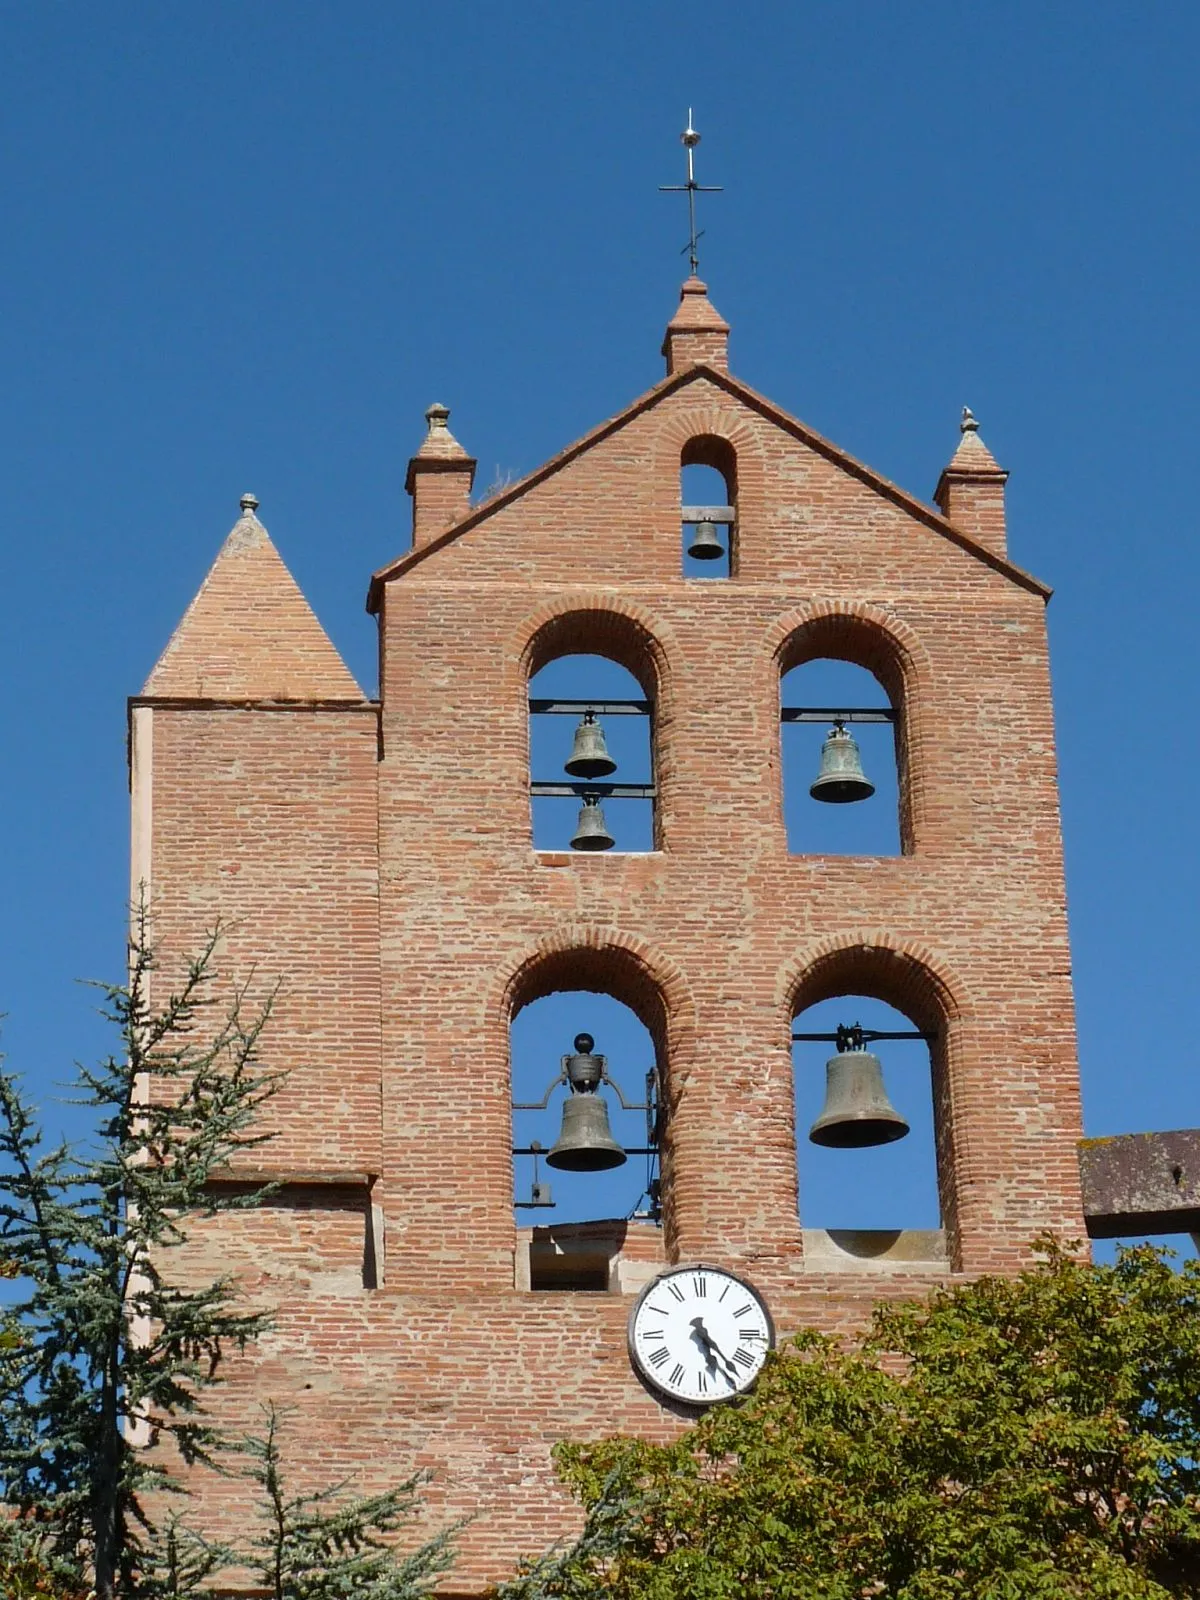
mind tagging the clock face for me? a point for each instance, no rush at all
(699, 1335)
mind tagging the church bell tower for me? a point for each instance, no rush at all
(357, 850)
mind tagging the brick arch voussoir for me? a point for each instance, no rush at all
(856, 631)
(916, 980)
(596, 956)
(679, 428)
(595, 623)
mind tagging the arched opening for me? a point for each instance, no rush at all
(708, 507)
(841, 788)
(592, 691)
(872, 1109)
(843, 683)
(585, 1146)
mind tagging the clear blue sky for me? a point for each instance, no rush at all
(246, 244)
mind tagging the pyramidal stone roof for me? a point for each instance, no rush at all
(250, 634)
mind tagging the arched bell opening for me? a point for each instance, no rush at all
(874, 1132)
(585, 1073)
(591, 751)
(708, 507)
(841, 765)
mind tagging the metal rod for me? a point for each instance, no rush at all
(867, 1033)
(832, 714)
(690, 514)
(588, 786)
(601, 708)
(629, 1149)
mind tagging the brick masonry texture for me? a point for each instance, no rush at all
(371, 860)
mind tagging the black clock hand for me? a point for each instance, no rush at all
(699, 1331)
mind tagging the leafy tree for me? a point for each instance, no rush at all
(328, 1546)
(106, 1346)
(1027, 1438)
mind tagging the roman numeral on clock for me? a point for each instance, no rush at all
(659, 1357)
(675, 1290)
(744, 1358)
(676, 1372)
(700, 1285)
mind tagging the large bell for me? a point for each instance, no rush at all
(586, 1143)
(705, 545)
(591, 831)
(857, 1111)
(589, 756)
(841, 778)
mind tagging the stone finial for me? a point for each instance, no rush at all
(697, 334)
(249, 504)
(970, 491)
(439, 478)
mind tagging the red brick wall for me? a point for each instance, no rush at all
(714, 940)
(265, 821)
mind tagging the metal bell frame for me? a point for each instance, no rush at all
(857, 1113)
(585, 1142)
(589, 748)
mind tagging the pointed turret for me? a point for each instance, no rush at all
(697, 334)
(970, 491)
(250, 634)
(439, 479)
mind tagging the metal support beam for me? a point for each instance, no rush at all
(868, 1035)
(1136, 1183)
(603, 791)
(691, 514)
(833, 714)
(602, 708)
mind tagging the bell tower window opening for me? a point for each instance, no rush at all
(841, 789)
(591, 757)
(589, 1152)
(865, 1135)
(708, 508)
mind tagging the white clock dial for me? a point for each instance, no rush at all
(699, 1334)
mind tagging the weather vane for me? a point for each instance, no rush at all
(690, 139)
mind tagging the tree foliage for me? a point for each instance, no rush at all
(1032, 1438)
(105, 1350)
(329, 1545)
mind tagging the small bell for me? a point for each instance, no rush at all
(589, 756)
(841, 779)
(857, 1112)
(591, 831)
(705, 545)
(586, 1143)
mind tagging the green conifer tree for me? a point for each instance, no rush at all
(328, 1545)
(111, 1353)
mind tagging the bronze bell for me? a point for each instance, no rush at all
(705, 545)
(585, 1143)
(589, 756)
(857, 1111)
(591, 831)
(841, 778)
